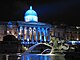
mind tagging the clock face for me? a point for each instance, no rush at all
(31, 18)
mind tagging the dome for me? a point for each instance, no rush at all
(30, 12)
(30, 15)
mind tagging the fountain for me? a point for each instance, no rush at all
(58, 47)
(54, 52)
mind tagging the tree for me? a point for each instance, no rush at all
(11, 44)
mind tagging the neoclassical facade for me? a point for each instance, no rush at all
(30, 30)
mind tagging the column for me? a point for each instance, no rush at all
(43, 30)
(20, 32)
(45, 35)
(37, 35)
(28, 34)
(48, 34)
(23, 33)
(32, 35)
(40, 35)
(39, 30)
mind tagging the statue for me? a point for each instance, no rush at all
(57, 45)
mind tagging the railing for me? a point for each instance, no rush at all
(10, 56)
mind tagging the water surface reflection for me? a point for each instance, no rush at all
(42, 57)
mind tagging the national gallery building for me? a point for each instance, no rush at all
(28, 31)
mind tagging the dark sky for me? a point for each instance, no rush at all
(49, 11)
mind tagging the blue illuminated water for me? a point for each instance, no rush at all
(42, 57)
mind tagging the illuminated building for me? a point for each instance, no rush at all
(30, 30)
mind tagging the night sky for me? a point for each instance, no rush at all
(49, 11)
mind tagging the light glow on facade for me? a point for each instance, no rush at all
(31, 18)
